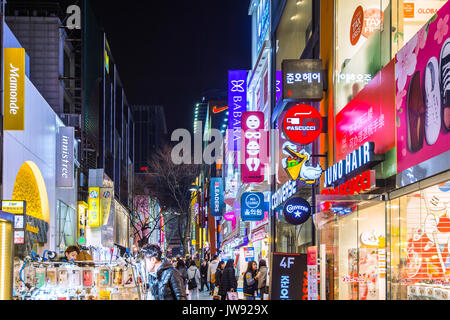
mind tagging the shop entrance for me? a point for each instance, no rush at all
(352, 242)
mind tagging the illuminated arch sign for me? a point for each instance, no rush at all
(354, 163)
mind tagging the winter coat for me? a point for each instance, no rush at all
(262, 277)
(183, 272)
(250, 284)
(218, 276)
(194, 272)
(204, 271)
(168, 284)
(228, 281)
(212, 269)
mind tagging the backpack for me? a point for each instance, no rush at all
(192, 284)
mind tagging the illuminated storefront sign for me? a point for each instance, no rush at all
(237, 104)
(262, 21)
(216, 197)
(15, 207)
(284, 193)
(252, 153)
(359, 159)
(252, 206)
(94, 210)
(14, 89)
(296, 211)
(65, 157)
(361, 183)
(297, 169)
(82, 221)
(302, 79)
(302, 124)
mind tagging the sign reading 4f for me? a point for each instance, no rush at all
(287, 262)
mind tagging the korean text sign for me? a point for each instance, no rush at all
(288, 276)
(302, 79)
(252, 206)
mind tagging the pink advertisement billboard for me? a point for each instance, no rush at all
(422, 69)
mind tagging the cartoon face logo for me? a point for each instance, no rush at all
(253, 122)
(253, 148)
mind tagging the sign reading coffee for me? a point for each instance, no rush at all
(302, 79)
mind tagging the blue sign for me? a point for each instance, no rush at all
(237, 104)
(252, 206)
(296, 211)
(216, 197)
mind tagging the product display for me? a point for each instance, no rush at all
(432, 101)
(415, 114)
(445, 83)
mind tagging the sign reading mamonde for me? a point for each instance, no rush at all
(14, 86)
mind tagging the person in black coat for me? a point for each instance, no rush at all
(204, 275)
(219, 272)
(228, 280)
(165, 282)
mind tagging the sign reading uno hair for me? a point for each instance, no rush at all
(216, 197)
(302, 79)
(252, 148)
(14, 89)
(64, 157)
(237, 104)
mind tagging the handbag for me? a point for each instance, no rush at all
(216, 295)
(192, 284)
(232, 295)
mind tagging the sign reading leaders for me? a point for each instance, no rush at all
(296, 210)
(287, 276)
(302, 79)
(65, 157)
(217, 197)
(252, 206)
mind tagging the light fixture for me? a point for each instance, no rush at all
(299, 2)
(294, 17)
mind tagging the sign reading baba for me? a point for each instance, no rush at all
(296, 210)
(354, 162)
(302, 124)
(252, 206)
(302, 79)
(216, 197)
(253, 135)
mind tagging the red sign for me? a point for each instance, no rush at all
(356, 25)
(302, 124)
(312, 256)
(370, 116)
(361, 183)
(253, 147)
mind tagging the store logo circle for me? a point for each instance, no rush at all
(93, 194)
(252, 201)
(356, 25)
(296, 211)
(302, 124)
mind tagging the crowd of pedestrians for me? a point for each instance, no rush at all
(182, 279)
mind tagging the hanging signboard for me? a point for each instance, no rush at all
(302, 79)
(288, 273)
(216, 197)
(65, 157)
(302, 124)
(297, 168)
(296, 210)
(14, 89)
(249, 253)
(312, 273)
(94, 208)
(237, 104)
(252, 206)
(252, 148)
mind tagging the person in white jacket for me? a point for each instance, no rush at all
(193, 273)
(212, 273)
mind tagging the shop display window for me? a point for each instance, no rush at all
(66, 226)
(420, 240)
(293, 238)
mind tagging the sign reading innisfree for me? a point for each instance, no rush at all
(65, 157)
(14, 89)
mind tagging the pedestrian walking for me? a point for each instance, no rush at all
(165, 283)
(250, 283)
(194, 281)
(219, 272)
(262, 278)
(181, 268)
(212, 273)
(204, 275)
(228, 282)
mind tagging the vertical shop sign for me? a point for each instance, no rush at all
(216, 197)
(106, 196)
(253, 147)
(249, 253)
(252, 204)
(302, 79)
(14, 89)
(287, 276)
(312, 273)
(94, 209)
(65, 157)
(279, 78)
(237, 104)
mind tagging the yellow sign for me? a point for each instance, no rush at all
(94, 209)
(15, 207)
(82, 219)
(106, 195)
(30, 228)
(104, 295)
(14, 89)
(194, 242)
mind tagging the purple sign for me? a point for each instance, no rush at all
(279, 76)
(237, 104)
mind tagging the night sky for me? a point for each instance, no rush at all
(169, 52)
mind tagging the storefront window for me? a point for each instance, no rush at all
(294, 30)
(420, 240)
(293, 238)
(66, 226)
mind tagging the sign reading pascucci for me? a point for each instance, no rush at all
(302, 79)
(64, 157)
(237, 104)
(216, 197)
(302, 124)
(252, 206)
(14, 89)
